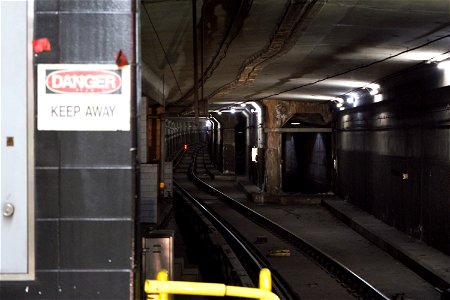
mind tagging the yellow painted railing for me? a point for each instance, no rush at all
(160, 288)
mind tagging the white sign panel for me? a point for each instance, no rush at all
(83, 97)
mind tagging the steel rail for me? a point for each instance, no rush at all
(246, 250)
(348, 278)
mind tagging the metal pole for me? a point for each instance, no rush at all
(194, 36)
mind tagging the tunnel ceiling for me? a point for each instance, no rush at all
(291, 50)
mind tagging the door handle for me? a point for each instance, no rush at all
(8, 209)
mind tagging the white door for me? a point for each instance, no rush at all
(16, 242)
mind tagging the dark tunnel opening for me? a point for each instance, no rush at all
(307, 162)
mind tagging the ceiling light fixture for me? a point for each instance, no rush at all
(346, 83)
(352, 98)
(378, 98)
(439, 58)
(338, 99)
(444, 65)
(233, 110)
(373, 88)
(243, 104)
(295, 123)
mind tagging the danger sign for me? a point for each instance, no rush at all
(83, 97)
(104, 82)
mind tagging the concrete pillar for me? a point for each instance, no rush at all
(273, 163)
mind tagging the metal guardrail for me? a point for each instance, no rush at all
(161, 288)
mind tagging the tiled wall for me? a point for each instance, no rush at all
(149, 188)
(168, 179)
(84, 179)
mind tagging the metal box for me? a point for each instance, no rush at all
(157, 253)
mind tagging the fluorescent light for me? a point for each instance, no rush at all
(219, 112)
(439, 58)
(378, 98)
(418, 55)
(243, 104)
(306, 96)
(295, 123)
(444, 65)
(346, 83)
(254, 154)
(373, 88)
(373, 92)
(352, 97)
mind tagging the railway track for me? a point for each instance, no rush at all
(299, 269)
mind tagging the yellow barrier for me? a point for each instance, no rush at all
(160, 288)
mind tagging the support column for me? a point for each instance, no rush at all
(273, 163)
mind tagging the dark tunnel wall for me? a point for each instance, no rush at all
(240, 146)
(394, 161)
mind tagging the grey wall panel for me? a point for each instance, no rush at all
(96, 5)
(94, 285)
(95, 244)
(44, 287)
(46, 5)
(47, 150)
(47, 194)
(69, 285)
(99, 193)
(95, 148)
(94, 37)
(47, 246)
(47, 27)
(82, 148)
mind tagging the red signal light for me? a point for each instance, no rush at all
(185, 147)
